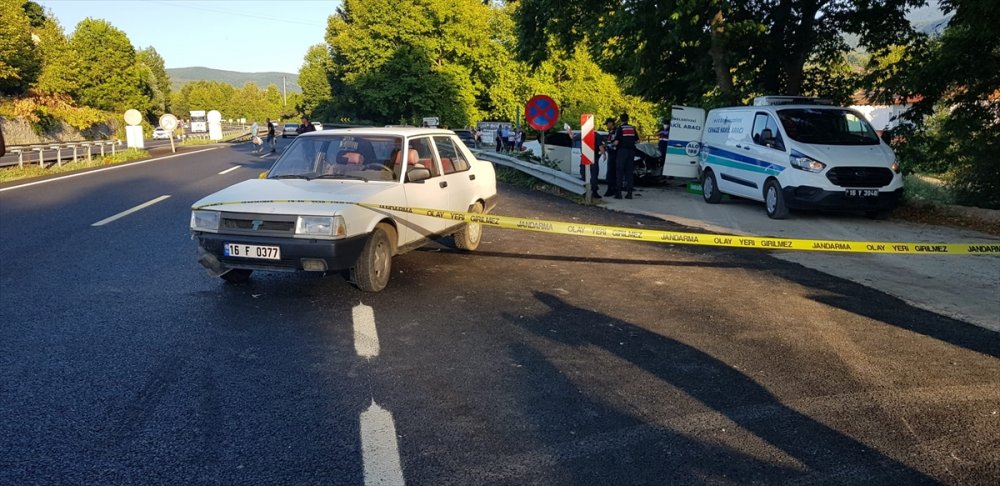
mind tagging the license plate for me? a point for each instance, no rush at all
(241, 250)
(861, 192)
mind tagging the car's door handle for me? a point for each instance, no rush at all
(472, 177)
(443, 184)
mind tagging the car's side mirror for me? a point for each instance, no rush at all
(417, 175)
(263, 175)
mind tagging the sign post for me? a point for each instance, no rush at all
(169, 123)
(542, 112)
(133, 132)
(587, 150)
(215, 125)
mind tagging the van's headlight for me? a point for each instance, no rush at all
(895, 166)
(324, 226)
(805, 163)
(202, 220)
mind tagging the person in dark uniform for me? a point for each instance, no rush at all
(625, 138)
(663, 139)
(611, 172)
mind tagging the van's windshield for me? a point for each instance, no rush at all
(827, 127)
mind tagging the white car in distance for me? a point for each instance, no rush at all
(302, 214)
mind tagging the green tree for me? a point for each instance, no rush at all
(110, 76)
(160, 85)
(403, 60)
(20, 57)
(314, 78)
(685, 50)
(60, 68)
(956, 80)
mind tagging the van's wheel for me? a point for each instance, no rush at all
(371, 272)
(710, 188)
(774, 200)
(237, 276)
(469, 236)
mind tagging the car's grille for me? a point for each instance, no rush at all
(859, 176)
(257, 224)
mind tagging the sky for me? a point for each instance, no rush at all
(234, 35)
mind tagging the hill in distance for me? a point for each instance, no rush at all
(181, 76)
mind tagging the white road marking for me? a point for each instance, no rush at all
(365, 334)
(120, 166)
(130, 211)
(379, 448)
(230, 170)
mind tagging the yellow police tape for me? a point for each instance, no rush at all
(661, 236)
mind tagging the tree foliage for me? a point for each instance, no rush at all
(713, 50)
(110, 76)
(955, 81)
(314, 78)
(156, 79)
(20, 59)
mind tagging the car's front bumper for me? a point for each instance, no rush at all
(807, 197)
(337, 254)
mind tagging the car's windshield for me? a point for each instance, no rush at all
(355, 157)
(827, 127)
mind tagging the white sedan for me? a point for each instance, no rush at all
(160, 134)
(302, 214)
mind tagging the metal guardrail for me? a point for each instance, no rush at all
(548, 175)
(88, 146)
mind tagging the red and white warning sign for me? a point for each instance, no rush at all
(587, 139)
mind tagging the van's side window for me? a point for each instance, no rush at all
(765, 132)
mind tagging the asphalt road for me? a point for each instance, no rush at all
(539, 359)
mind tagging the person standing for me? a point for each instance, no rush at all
(663, 143)
(270, 135)
(611, 164)
(511, 136)
(305, 127)
(625, 138)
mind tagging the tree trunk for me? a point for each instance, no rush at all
(720, 63)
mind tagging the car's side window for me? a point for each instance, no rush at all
(765, 132)
(452, 159)
(424, 156)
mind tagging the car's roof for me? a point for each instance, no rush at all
(394, 131)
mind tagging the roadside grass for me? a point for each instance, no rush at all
(28, 171)
(928, 189)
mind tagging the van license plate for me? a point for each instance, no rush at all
(240, 250)
(861, 192)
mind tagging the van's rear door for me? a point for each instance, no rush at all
(684, 146)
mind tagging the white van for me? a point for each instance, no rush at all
(798, 153)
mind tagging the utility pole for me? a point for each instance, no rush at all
(284, 95)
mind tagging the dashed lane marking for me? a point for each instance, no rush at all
(365, 334)
(379, 448)
(130, 211)
(230, 170)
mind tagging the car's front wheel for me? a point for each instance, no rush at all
(469, 236)
(774, 200)
(371, 272)
(710, 188)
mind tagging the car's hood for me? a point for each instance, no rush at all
(296, 196)
(848, 155)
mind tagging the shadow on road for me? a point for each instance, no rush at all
(826, 453)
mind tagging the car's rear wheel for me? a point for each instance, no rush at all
(469, 236)
(237, 276)
(371, 272)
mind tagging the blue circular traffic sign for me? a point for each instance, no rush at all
(542, 112)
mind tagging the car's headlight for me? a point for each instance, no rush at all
(326, 226)
(202, 220)
(895, 166)
(805, 163)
